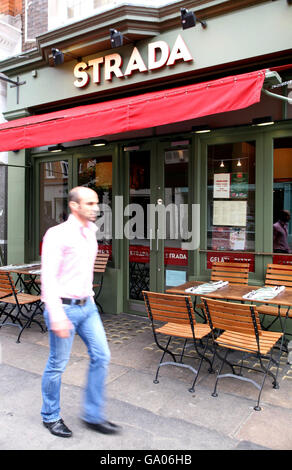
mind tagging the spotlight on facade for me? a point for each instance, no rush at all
(98, 143)
(201, 129)
(116, 38)
(56, 148)
(189, 19)
(263, 121)
(58, 56)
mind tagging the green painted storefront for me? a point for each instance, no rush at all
(220, 50)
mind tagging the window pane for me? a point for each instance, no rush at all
(282, 229)
(139, 246)
(53, 194)
(231, 197)
(176, 197)
(96, 173)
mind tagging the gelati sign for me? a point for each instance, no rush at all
(159, 55)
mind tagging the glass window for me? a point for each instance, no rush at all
(282, 191)
(53, 194)
(231, 197)
(176, 197)
(96, 173)
(139, 246)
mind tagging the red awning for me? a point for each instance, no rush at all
(138, 112)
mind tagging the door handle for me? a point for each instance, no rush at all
(157, 242)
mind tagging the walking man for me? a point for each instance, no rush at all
(68, 255)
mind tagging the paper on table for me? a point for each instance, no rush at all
(207, 287)
(264, 293)
(5, 268)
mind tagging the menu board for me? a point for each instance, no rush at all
(230, 213)
(221, 185)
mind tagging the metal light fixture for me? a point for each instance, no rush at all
(263, 121)
(222, 164)
(116, 38)
(56, 148)
(238, 163)
(201, 129)
(58, 56)
(98, 143)
(189, 19)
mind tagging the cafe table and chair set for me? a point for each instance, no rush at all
(20, 299)
(229, 322)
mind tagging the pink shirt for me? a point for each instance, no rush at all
(68, 255)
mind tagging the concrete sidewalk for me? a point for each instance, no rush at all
(165, 416)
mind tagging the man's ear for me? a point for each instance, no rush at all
(73, 205)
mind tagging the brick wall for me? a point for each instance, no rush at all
(34, 21)
(10, 7)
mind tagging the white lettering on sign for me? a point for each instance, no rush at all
(159, 55)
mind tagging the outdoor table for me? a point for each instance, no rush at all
(236, 292)
(31, 271)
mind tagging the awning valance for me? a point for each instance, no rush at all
(133, 113)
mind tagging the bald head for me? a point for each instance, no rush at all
(83, 203)
(79, 192)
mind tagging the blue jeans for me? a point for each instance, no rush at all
(87, 323)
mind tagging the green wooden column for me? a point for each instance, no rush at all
(16, 219)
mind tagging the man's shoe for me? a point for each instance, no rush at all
(58, 428)
(105, 427)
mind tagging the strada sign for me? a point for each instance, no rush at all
(159, 55)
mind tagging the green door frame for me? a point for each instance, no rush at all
(263, 196)
(131, 305)
(157, 150)
(37, 161)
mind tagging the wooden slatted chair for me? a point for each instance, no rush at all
(277, 275)
(234, 273)
(100, 265)
(240, 330)
(19, 307)
(173, 316)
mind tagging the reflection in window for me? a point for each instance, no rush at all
(231, 197)
(53, 194)
(96, 173)
(282, 190)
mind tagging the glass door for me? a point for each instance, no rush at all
(156, 220)
(55, 179)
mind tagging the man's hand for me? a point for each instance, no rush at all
(62, 333)
(62, 329)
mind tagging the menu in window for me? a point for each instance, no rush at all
(239, 185)
(221, 185)
(237, 238)
(230, 213)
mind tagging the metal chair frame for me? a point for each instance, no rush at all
(249, 328)
(20, 302)
(176, 314)
(100, 265)
(277, 275)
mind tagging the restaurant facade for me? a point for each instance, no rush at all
(184, 131)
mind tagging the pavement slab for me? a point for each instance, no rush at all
(163, 416)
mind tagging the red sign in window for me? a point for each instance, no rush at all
(282, 259)
(221, 257)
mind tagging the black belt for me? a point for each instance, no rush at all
(74, 301)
